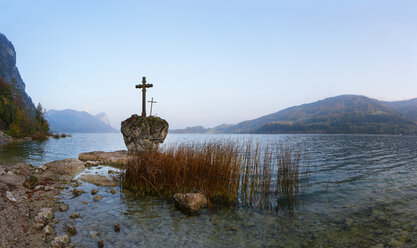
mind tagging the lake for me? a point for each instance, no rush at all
(362, 192)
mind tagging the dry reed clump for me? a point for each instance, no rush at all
(227, 172)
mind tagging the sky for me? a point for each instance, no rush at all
(211, 62)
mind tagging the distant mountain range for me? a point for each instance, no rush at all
(349, 114)
(72, 121)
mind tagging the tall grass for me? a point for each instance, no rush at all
(227, 172)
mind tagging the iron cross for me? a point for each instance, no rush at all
(152, 102)
(143, 86)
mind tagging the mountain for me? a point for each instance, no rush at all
(340, 114)
(408, 108)
(196, 129)
(72, 121)
(9, 72)
(103, 117)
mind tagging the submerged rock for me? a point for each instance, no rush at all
(94, 191)
(113, 191)
(63, 207)
(143, 133)
(78, 192)
(190, 203)
(70, 229)
(98, 180)
(93, 234)
(117, 227)
(98, 198)
(75, 216)
(100, 243)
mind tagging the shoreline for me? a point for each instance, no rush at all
(29, 198)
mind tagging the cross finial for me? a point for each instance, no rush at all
(143, 86)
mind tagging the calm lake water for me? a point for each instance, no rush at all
(362, 192)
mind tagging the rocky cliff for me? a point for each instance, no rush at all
(9, 71)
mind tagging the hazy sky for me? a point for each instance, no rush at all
(211, 62)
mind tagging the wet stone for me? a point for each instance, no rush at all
(113, 191)
(78, 192)
(98, 198)
(117, 227)
(94, 191)
(93, 234)
(70, 229)
(63, 207)
(100, 243)
(75, 216)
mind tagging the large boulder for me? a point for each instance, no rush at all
(106, 158)
(190, 203)
(143, 133)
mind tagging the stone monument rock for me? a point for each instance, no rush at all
(143, 133)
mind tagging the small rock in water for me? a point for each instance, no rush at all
(75, 215)
(94, 191)
(78, 192)
(10, 196)
(60, 241)
(63, 207)
(71, 230)
(93, 234)
(98, 198)
(48, 230)
(117, 227)
(100, 243)
(85, 202)
(30, 182)
(113, 191)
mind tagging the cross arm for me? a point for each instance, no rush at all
(140, 86)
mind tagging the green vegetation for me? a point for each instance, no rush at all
(225, 172)
(16, 118)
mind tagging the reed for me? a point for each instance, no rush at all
(227, 172)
